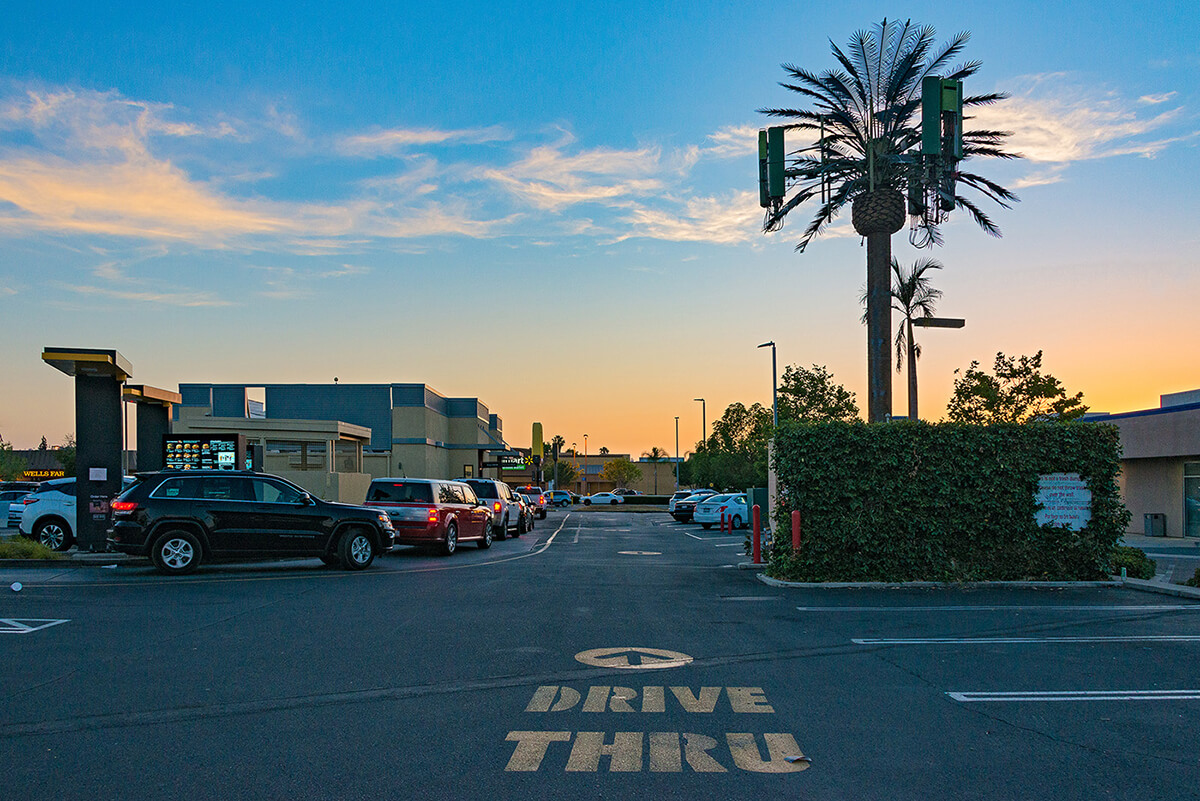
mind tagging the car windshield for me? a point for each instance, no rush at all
(717, 498)
(400, 492)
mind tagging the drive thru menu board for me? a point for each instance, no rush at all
(219, 452)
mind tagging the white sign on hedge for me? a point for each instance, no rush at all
(1065, 500)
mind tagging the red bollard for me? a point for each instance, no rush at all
(722, 522)
(757, 536)
(796, 530)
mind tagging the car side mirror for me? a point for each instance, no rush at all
(307, 500)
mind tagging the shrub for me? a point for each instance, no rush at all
(21, 548)
(911, 501)
(1194, 581)
(1137, 565)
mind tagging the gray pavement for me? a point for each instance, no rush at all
(608, 656)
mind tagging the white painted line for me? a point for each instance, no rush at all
(1078, 607)
(1173, 555)
(702, 539)
(751, 598)
(729, 545)
(1080, 695)
(1012, 640)
(27, 625)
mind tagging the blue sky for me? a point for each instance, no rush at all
(289, 192)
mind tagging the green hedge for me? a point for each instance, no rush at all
(1137, 565)
(914, 501)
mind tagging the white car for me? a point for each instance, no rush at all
(603, 497)
(49, 513)
(732, 506)
(12, 506)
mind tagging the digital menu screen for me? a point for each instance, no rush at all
(201, 453)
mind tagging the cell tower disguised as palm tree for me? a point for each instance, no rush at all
(888, 128)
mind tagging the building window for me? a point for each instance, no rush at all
(346, 457)
(1191, 499)
(283, 455)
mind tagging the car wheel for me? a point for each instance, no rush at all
(587, 502)
(706, 526)
(451, 543)
(502, 531)
(613, 502)
(522, 526)
(176, 553)
(541, 514)
(355, 550)
(54, 534)
(486, 542)
(736, 523)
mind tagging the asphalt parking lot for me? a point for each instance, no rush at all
(606, 655)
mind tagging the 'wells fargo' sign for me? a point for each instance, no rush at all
(42, 475)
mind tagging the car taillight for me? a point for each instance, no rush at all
(496, 506)
(433, 515)
(124, 506)
(29, 500)
(541, 499)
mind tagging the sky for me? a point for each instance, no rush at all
(553, 206)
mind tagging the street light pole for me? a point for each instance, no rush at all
(774, 384)
(677, 453)
(703, 420)
(923, 322)
(585, 465)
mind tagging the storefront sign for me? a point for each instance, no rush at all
(43, 475)
(1065, 500)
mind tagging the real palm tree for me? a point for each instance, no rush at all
(912, 296)
(656, 455)
(866, 118)
(557, 443)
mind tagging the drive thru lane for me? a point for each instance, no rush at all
(621, 658)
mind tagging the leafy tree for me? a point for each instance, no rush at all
(1017, 393)
(812, 395)
(866, 118)
(656, 455)
(11, 464)
(735, 453)
(66, 455)
(621, 472)
(564, 474)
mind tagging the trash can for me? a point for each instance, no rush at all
(1154, 525)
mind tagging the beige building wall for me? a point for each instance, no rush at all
(1154, 486)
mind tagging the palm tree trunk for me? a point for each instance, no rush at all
(879, 327)
(912, 373)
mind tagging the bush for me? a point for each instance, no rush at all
(1137, 565)
(1194, 581)
(913, 501)
(21, 548)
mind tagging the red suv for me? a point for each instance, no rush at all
(426, 511)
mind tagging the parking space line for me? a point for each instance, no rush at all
(1077, 695)
(27, 625)
(1089, 608)
(1023, 640)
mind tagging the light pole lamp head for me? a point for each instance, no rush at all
(770, 344)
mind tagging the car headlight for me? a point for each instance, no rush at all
(385, 521)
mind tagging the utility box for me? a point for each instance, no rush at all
(1154, 525)
(758, 495)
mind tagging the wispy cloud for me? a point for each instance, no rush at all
(185, 299)
(1055, 122)
(551, 179)
(727, 221)
(381, 142)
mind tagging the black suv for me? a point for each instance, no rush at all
(180, 518)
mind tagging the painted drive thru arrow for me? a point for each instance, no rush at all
(633, 658)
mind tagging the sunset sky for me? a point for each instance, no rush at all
(553, 206)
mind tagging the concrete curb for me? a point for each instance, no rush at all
(76, 560)
(1177, 590)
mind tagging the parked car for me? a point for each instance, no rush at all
(559, 498)
(681, 494)
(733, 506)
(11, 505)
(603, 497)
(427, 511)
(539, 498)
(181, 519)
(626, 491)
(49, 513)
(684, 507)
(506, 513)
